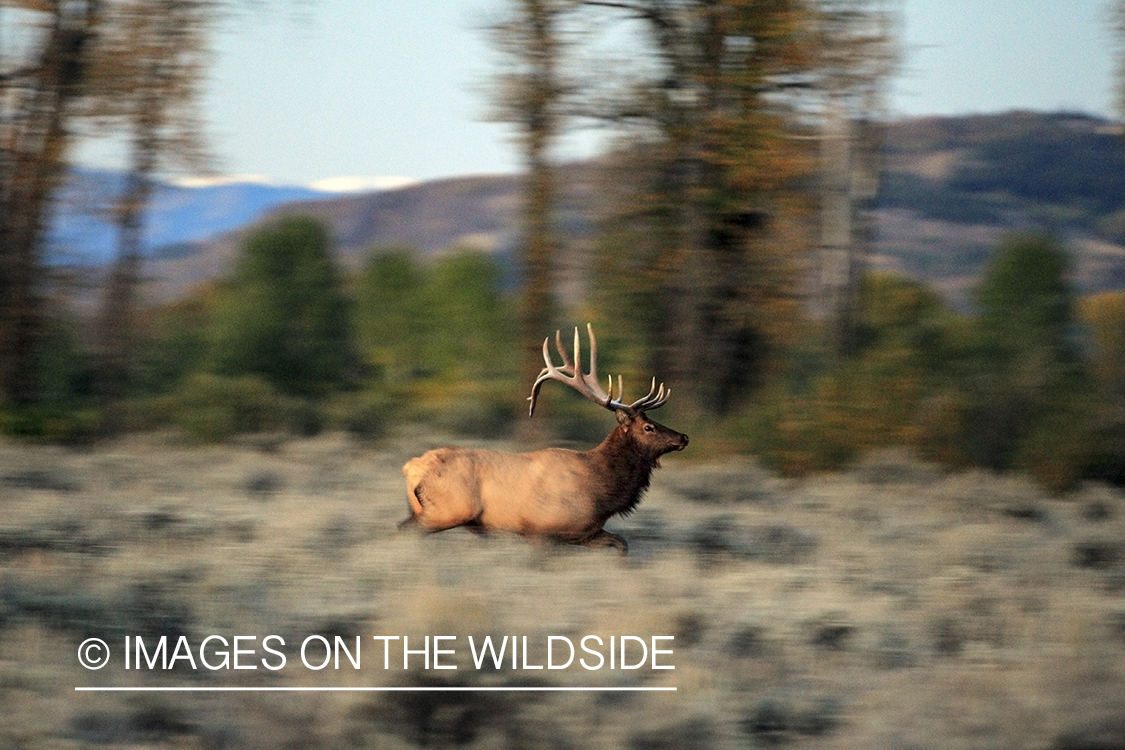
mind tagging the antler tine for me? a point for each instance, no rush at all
(653, 400)
(593, 352)
(620, 387)
(577, 354)
(567, 364)
(570, 373)
(544, 375)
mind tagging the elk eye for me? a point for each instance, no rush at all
(649, 428)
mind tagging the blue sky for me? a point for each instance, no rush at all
(303, 90)
(993, 55)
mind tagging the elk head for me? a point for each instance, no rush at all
(651, 438)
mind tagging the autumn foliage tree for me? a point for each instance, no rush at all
(702, 241)
(1104, 316)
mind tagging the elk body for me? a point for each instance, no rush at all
(554, 493)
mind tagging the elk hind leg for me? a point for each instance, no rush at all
(415, 520)
(434, 509)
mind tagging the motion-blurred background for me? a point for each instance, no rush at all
(730, 192)
(255, 255)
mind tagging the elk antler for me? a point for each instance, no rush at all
(587, 384)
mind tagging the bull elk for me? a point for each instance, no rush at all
(554, 493)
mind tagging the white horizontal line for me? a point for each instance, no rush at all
(368, 689)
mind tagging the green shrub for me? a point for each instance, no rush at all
(392, 320)
(468, 408)
(52, 422)
(479, 415)
(786, 429)
(367, 414)
(210, 408)
(1061, 445)
(285, 318)
(939, 428)
(868, 403)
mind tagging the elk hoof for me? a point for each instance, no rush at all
(606, 539)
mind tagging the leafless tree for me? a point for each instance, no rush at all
(38, 90)
(146, 82)
(529, 94)
(857, 43)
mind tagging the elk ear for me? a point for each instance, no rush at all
(623, 417)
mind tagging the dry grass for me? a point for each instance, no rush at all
(891, 606)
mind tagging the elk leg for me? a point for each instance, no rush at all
(428, 525)
(605, 539)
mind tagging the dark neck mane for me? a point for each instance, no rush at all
(627, 467)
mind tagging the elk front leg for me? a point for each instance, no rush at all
(605, 539)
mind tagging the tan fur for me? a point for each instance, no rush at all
(556, 493)
(543, 493)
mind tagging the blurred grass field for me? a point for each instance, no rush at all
(891, 605)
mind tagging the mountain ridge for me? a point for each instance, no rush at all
(181, 211)
(952, 187)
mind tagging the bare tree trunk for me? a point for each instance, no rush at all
(117, 332)
(859, 53)
(691, 292)
(529, 98)
(150, 72)
(536, 309)
(34, 138)
(838, 250)
(849, 185)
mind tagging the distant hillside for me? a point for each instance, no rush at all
(480, 212)
(426, 217)
(1064, 170)
(430, 217)
(81, 233)
(953, 186)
